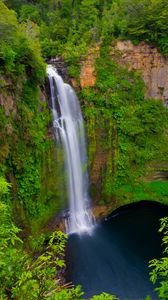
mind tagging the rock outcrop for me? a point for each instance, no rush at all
(88, 74)
(152, 65)
(144, 58)
(61, 67)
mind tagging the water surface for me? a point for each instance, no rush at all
(114, 259)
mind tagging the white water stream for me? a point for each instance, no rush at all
(68, 126)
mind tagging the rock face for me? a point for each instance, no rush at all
(61, 67)
(87, 74)
(144, 58)
(103, 147)
(7, 101)
(151, 64)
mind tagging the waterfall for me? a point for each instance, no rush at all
(69, 129)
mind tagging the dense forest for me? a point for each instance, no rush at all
(130, 129)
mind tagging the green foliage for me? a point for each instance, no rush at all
(22, 71)
(39, 277)
(128, 131)
(159, 267)
(104, 296)
(67, 27)
(152, 190)
(144, 20)
(19, 47)
(30, 12)
(4, 186)
(21, 276)
(9, 257)
(132, 130)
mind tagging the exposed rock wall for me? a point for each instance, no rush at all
(152, 65)
(103, 136)
(145, 58)
(88, 74)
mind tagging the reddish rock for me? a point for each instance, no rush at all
(88, 74)
(145, 58)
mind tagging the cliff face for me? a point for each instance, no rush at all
(144, 58)
(152, 65)
(104, 137)
(34, 150)
(27, 151)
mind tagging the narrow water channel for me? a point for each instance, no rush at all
(114, 259)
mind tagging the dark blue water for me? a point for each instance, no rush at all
(114, 259)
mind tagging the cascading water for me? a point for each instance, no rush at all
(68, 126)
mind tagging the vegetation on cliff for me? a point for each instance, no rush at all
(131, 131)
(68, 27)
(32, 268)
(21, 276)
(25, 148)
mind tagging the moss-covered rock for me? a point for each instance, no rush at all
(127, 134)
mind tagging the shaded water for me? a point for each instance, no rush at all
(69, 129)
(115, 258)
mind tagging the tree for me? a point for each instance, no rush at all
(159, 273)
(4, 186)
(104, 296)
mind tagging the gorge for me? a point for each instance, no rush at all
(114, 55)
(120, 245)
